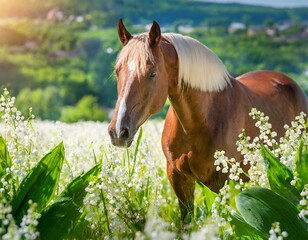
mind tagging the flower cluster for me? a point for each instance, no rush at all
(10, 230)
(127, 186)
(288, 144)
(5, 215)
(249, 148)
(267, 136)
(276, 233)
(304, 202)
(156, 228)
(230, 166)
(285, 149)
(250, 151)
(29, 223)
(132, 193)
(221, 210)
(17, 130)
(252, 157)
(209, 231)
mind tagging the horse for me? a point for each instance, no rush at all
(208, 107)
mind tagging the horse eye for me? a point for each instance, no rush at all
(152, 74)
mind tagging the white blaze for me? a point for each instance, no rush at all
(122, 107)
(121, 114)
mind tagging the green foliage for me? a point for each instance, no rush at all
(301, 162)
(245, 231)
(5, 159)
(76, 54)
(60, 217)
(86, 109)
(5, 164)
(40, 184)
(280, 177)
(277, 207)
(64, 213)
(261, 207)
(204, 198)
(48, 102)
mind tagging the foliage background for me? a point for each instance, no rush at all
(57, 55)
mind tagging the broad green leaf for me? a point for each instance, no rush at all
(245, 231)
(60, 219)
(261, 207)
(204, 199)
(280, 177)
(301, 161)
(40, 184)
(5, 160)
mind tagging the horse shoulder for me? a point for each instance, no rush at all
(175, 144)
(190, 155)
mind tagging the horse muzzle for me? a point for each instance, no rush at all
(122, 138)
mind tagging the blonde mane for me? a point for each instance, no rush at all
(199, 67)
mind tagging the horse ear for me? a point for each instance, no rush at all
(154, 34)
(124, 35)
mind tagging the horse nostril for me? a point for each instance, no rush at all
(124, 134)
(112, 133)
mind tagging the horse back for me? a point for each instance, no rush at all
(274, 89)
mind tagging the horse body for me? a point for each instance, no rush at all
(189, 145)
(208, 108)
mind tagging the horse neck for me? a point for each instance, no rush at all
(198, 110)
(194, 109)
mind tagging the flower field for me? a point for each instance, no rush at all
(66, 181)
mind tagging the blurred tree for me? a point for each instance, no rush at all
(86, 109)
(46, 103)
(269, 22)
(89, 47)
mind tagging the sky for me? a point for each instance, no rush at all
(272, 3)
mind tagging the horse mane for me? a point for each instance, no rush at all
(137, 49)
(199, 67)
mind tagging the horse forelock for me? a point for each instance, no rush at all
(199, 67)
(136, 54)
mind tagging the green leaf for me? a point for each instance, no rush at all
(261, 207)
(40, 184)
(280, 177)
(5, 163)
(132, 170)
(245, 231)
(204, 199)
(301, 162)
(5, 159)
(60, 219)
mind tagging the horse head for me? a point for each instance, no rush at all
(142, 83)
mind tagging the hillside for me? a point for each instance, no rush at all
(57, 55)
(165, 12)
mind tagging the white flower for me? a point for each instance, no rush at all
(276, 233)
